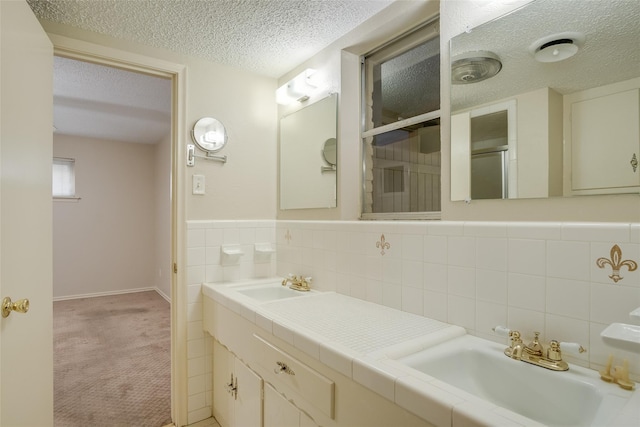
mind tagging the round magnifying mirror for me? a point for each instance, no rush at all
(209, 134)
(329, 151)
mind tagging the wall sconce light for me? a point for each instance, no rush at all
(298, 89)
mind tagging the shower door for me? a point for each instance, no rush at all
(489, 174)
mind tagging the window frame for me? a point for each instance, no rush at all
(409, 40)
(65, 197)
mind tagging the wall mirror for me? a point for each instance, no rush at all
(209, 134)
(308, 160)
(330, 152)
(559, 113)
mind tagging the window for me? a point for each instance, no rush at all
(64, 180)
(401, 135)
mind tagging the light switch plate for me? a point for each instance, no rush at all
(198, 184)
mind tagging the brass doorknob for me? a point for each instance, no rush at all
(21, 306)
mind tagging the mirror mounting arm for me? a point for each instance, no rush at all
(191, 156)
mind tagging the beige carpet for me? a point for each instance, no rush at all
(112, 363)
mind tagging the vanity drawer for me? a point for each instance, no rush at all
(284, 370)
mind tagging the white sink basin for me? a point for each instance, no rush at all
(572, 398)
(269, 292)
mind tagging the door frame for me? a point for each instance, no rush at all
(103, 55)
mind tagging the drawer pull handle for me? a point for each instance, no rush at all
(283, 368)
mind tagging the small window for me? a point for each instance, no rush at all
(64, 179)
(401, 134)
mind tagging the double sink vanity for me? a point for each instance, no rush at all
(283, 357)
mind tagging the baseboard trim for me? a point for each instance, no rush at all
(163, 295)
(103, 294)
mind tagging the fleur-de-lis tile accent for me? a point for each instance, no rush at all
(382, 244)
(616, 263)
(288, 236)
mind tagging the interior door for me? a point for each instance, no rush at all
(26, 95)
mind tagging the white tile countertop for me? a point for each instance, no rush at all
(361, 340)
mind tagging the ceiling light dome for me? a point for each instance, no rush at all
(556, 50)
(556, 47)
(473, 67)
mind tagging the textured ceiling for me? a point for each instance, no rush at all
(263, 36)
(611, 50)
(109, 103)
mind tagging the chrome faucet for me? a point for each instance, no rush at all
(298, 283)
(534, 352)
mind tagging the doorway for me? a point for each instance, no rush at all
(112, 244)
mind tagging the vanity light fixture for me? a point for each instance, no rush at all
(556, 47)
(298, 89)
(473, 67)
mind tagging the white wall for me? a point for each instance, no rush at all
(104, 242)
(245, 186)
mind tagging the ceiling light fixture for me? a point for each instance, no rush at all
(556, 47)
(298, 89)
(473, 67)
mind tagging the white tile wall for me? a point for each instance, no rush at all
(204, 240)
(528, 276)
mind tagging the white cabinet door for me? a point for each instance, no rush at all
(597, 126)
(26, 123)
(222, 377)
(305, 421)
(278, 412)
(248, 400)
(237, 391)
